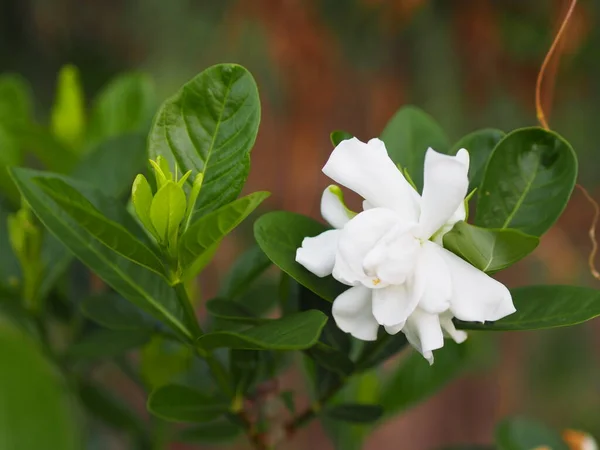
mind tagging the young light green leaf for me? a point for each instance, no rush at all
(527, 182)
(141, 197)
(107, 344)
(247, 268)
(184, 404)
(480, 145)
(114, 312)
(167, 211)
(331, 359)
(519, 433)
(232, 311)
(540, 307)
(489, 250)
(338, 136)
(293, 332)
(209, 127)
(408, 135)
(67, 120)
(355, 412)
(193, 198)
(279, 234)
(211, 228)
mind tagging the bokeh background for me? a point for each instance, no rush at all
(350, 64)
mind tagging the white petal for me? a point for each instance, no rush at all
(333, 209)
(357, 238)
(432, 282)
(476, 297)
(444, 189)
(392, 305)
(424, 333)
(317, 253)
(450, 330)
(394, 329)
(368, 170)
(352, 313)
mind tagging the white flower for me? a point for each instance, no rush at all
(391, 253)
(578, 440)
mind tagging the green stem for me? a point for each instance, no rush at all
(188, 308)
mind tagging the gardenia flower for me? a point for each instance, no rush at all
(391, 253)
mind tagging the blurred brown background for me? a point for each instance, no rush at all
(349, 64)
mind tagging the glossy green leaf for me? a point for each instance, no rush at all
(293, 332)
(107, 344)
(338, 136)
(355, 413)
(376, 352)
(480, 145)
(184, 404)
(114, 312)
(209, 127)
(414, 379)
(408, 135)
(15, 99)
(36, 410)
(247, 268)
(125, 105)
(528, 181)
(167, 211)
(211, 228)
(540, 307)
(279, 234)
(519, 433)
(217, 432)
(67, 120)
(487, 249)
(232, 311)
(331, 359)
(135, 283)
(112, 234)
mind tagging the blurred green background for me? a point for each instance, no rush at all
(349, 64)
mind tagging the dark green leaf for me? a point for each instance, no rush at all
(379, 351)
(540, 307)
(414, 379)
(245, 270)
(216, 432)
(331, 359)
(527, 182)
(9, 156)
(232, 311)
(294, 332)
(487, 249)
(408, 135)
(135, 283)
(15, 99)
(116, 313)
(244, 367)
(338, 136)
(211, 228)
(183, 404)
(519, 433)
(279, 234)
(107, 344)
(209, 127)
(355, 413)
(36, 411)
(480, 145)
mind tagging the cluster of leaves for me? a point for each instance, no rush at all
(218, 375)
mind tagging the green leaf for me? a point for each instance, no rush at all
(36, 410)
(211, 228)
(217, 432)
(141, 196)
(209, 127)
(114, 312)
(293, 332)
(379, 351)
(184, 404)
(519, 433)
(414, 379)
(67, 120)
(162, 361)
(167, 211)
(107, 344)
(279, 234)
(137, 284)
(480, 145)
(408, 135)
(489, 250)
(355, 413)
(232, 311)
(16, 104)
(9, 156)
(10, 271)
(331, 359)
(528, 181)
(540, 307)
(246, 269)
(125, 105)
(338, 136)
(112, 234)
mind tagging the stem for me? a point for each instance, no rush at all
(186, 304)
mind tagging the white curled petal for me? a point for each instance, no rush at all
(394, 329)
(357, 238)
(444, 189)
(424, 333)
(450, 330)
(317, 254)
(476, 297)
(366, 205)
(392, 305)
(432, 282)
(368, 170)
(333, 209)
(352, 313)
